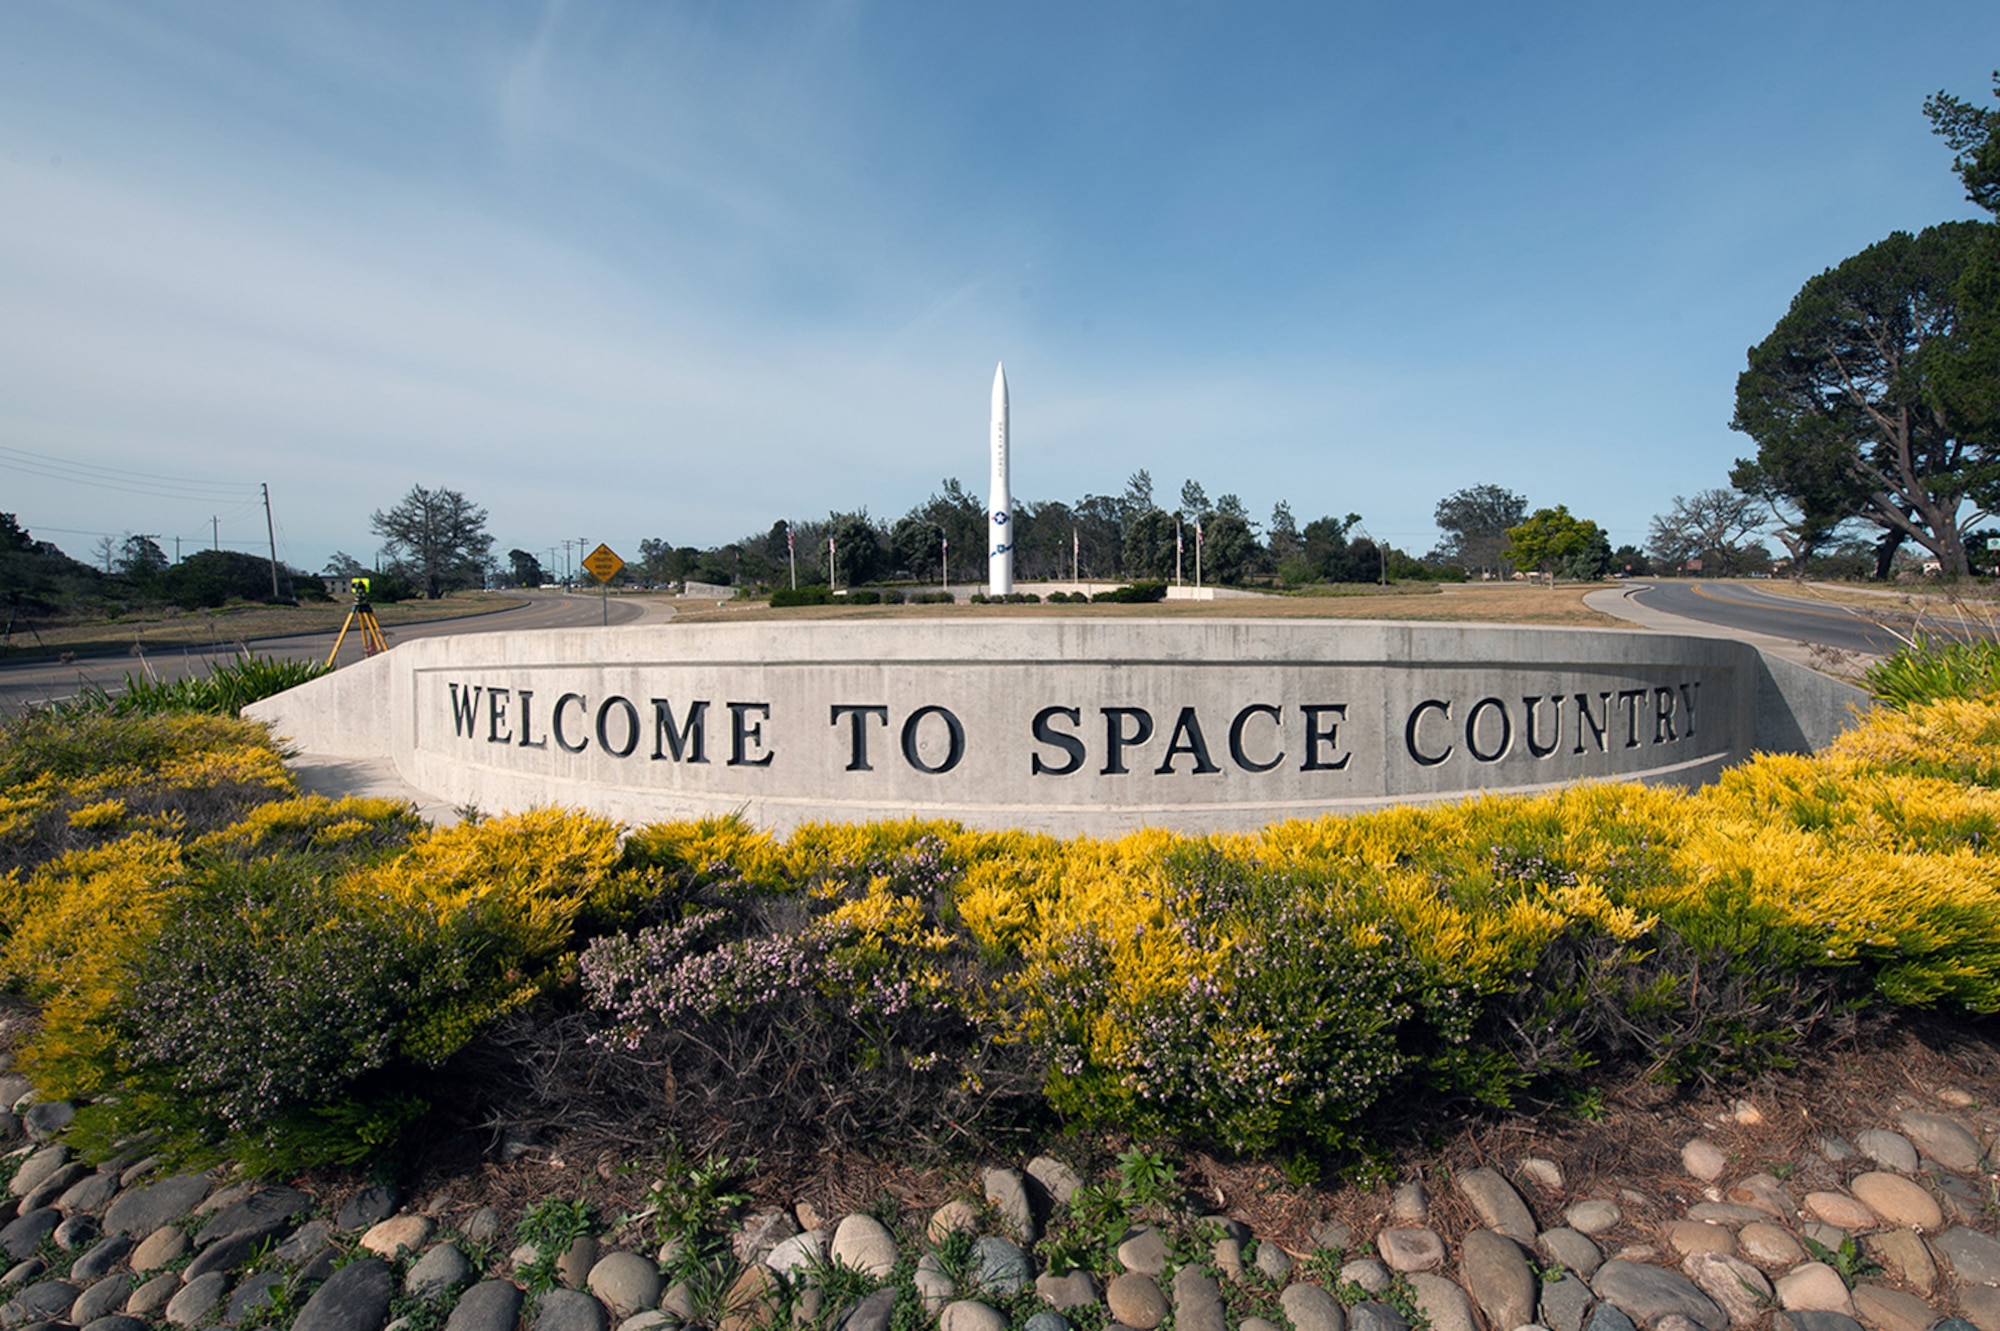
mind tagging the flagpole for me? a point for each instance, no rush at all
(791, 554)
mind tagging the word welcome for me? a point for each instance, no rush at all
(1063, 741)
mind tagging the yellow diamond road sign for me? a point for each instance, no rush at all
(603, 563)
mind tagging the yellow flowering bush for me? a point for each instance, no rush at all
(72, 782)
(180, 913)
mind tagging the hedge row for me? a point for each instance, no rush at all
(249, 971)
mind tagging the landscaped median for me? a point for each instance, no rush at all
(284, 980)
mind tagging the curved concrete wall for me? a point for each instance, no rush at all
(1065, 725)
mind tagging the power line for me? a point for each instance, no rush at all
(129, 482)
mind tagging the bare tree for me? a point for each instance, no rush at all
(1715, 526)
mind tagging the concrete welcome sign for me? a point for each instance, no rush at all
(1066, 725)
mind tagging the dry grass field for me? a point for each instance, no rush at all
(234, 624)
(1499, 603)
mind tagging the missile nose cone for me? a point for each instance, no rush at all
(1000, 383)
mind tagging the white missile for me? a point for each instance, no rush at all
(1000, 503)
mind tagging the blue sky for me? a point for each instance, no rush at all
(619, 270)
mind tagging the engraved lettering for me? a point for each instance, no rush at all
(1045, 733)
(687, 742)
(1663, 716)
(1117, 739)
(743, 735)
(1236, 751)
(1534, 707)
(527, 696)
(465, 710)
(556, 723)
(1597, 723)
(631, 726)
(858, 733)
(496, 716)
(1629, 700)
(1498, 751)
(1186, 738)
(954, 740)
(1317, 735)
(1410, 732)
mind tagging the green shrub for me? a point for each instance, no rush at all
(863, 596)
(1137, 593)
(1932, 668)
(227, 688)
(818, 594)
(1288, 1035)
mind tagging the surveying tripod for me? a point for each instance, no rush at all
(363, 614)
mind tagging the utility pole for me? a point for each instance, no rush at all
(177, 549)
(271, 531)
(215, 527)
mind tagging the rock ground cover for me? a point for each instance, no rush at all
(1860, 1193)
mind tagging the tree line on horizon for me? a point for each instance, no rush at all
(1128, 537)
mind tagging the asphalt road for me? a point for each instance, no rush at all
(29, 683)
(1751, 608)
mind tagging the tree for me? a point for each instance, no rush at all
(525, 569)
(1149, 545)
(660, 562)
(439, 535)
(1844, 410)
(213, 578)
(1553, 542)
(1965, 366)
(140, 558)
(1139, 493)
(1632, 561)
(1475, 522)
(1714, 526)
(1100, 534)
(1973, 132)
(1228, 548)
(857, 546)
(1808, 496)
(1194, 500)
(37, 578)
(918, 547)
(1283, 542)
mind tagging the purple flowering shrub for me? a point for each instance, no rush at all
(268, 1019)
(844, 1007)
